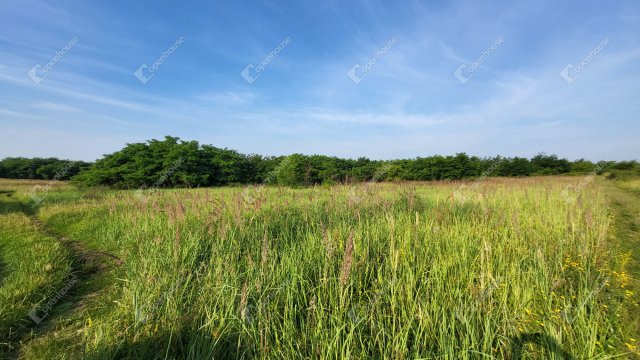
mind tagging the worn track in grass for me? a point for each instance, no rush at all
(86, 265)
(625, 207)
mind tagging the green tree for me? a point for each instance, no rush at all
(291, 171)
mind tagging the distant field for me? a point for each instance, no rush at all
(632, 185)
(27, 186)
(498, 268)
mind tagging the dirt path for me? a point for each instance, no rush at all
(625, 207)
(86, 267)
(85, 260)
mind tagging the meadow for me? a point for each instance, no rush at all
(530, 268)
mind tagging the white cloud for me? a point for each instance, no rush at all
(55, 107)
(228, 97)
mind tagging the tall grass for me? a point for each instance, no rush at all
(630, 184)
(373, 270)
(32, 267)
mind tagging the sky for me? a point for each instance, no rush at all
(381, 79)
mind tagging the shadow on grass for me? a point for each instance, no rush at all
(4, 271)
(539, 339)
(8, 204)
(183, 344)
(191, 344)
(85, 265)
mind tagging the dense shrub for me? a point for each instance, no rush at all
(176, 163)
(40, 169)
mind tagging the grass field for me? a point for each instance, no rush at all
(530, 268)
(631, 185)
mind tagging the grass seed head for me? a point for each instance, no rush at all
(347, 260)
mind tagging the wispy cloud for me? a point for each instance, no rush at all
(228, 97)
(410, 100)
(55, 107)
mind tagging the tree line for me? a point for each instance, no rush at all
(39, 168)
(176, 163)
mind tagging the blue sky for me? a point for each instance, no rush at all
(443, 77)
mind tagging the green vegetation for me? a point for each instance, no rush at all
(632, 185)
(624, 201)
(43, 169)
(361, 267)
(32, 266)
(171, 163)
(493, 269)
(175, 163)
(626, 179)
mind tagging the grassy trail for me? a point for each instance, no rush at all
(625, 206)
(25, 284)
(74, 276)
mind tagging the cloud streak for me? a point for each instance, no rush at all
(410, 100)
